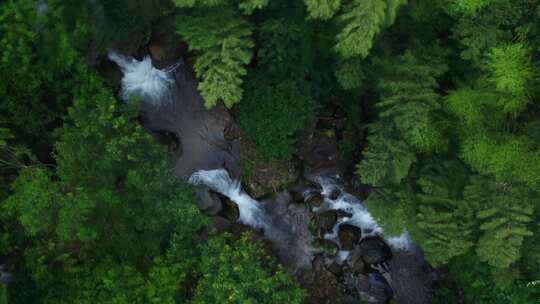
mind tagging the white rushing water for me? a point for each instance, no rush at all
(359, 215)
(142, 79)
(251, 213)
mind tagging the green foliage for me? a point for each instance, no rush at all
(249, 6)
(469, 7)
(504, 212)
(360, 23)
(387, 160)
(409, 101)
(511, 72)
(223, 43)
(111, 197)
(392, 9)
(239, 272)
(444, 224)
(38, 69)
(473, 280)
(322, 9)
(34, 201)
(272, 114)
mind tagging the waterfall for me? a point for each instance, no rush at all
(278, 222)
(251, 213)
(143, 80)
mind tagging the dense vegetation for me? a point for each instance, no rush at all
(443, 95)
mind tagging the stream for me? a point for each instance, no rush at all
(320, 232)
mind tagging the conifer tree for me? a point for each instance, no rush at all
(322, 9)
(387, 160)
(443, 225)
(222, 39)
(504, 212)
(409, 102)
(360, 23)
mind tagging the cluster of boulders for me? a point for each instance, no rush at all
(351, 264)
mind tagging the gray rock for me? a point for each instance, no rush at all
(349, 236)
(325, 221)
(221, 224)
(374, 250)
(208, 202)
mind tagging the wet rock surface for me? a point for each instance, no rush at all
(325, 222)
(230, 210)
(200, 131)
(221, 224)
(319, 151)
(349, 236)
(374, 250)
(208, 202)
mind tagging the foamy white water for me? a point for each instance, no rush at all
(143, 80)
(360, 216)
(251, 213)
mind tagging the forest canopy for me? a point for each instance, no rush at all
(441, 99)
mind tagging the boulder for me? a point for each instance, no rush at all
(319, 151)
(379, 290)
(334, 193)
(356, 262)
(208, 202)
(335, 268)
(230, 210)
(221, 224)
(349, 236)
(315, 199)
(325, 221)
(374, 250)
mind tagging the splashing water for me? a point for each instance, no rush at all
(360, 216)
(251, 213)
(278, 222)
(143, 80)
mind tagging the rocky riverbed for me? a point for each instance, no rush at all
(316, 227)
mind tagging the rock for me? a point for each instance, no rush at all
(356, 262)
(360, 283)
(111, 73)
(325, 221)
(315, 199)
(222, 224)
(379, 290)
(319, 151)
(233, 131)
(371, 288)
(335, 268)
(230, 210)
(334, 194)
(324, 289)
(412, 278)
(261, 176)
(343, 213)
(167, 138)
(208, 202)
(349, 236)
(318, 263)
(157, 51)
(164, 50)
(374, 250)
